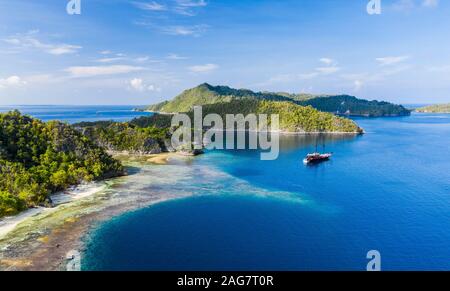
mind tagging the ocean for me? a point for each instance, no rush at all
(74, 114)
(388, 190)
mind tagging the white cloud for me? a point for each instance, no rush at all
(29, 41)
(387, 61)
(177, 30)
(92, 71)
(404, 5)
(182, 7)
(440, 69)
(175, 57)
(328, 70)
(430, 3)
(194, 30)
(330, 67)
(151, 6)
(63, 49)
(12, 81)
(122, 57)
(186, 7)
(191, 3)
(14, 41)
(327, 61)
(203, 68)
(109, 60)
(139, 85)
(358, 84)
(142, 59)
(408, 5)
(363, 79)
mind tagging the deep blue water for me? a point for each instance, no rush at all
(74, 114)
(388, 190)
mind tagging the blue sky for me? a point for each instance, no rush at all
(145, 51)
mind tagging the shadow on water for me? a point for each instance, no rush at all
(131, 170)
(293, 142)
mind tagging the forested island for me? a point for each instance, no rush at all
(346, 105)
(439, 108)
(38, 159)
(293, 118)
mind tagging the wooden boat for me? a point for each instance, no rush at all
(315, 158)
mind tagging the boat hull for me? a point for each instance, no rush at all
(316, 158)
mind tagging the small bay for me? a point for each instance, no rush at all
(388, 190)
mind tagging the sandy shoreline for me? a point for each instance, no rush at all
(40, 238)
(8, 224)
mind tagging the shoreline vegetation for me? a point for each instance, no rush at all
(39, 239)
(39, 159)
(9, 223)
(438, 108)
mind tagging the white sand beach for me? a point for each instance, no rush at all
(8, 224)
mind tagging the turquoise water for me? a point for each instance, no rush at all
(74, 114)
(388, 190)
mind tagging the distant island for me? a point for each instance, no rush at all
(439, 108)
(206, 94)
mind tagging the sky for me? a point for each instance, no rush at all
(138, 52)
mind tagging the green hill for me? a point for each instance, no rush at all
(439, 108)
(37, 159)
(293, 117)
(205, 94)
(352, 106)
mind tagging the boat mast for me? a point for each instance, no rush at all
(323, 145)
